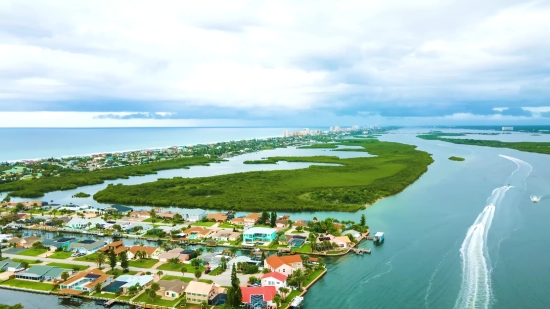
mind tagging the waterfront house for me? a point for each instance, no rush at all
(78, 223)
(237, 221)
(25, 242)
(353, 233)
(178, 253)
(5, 237)
(197, 292)
(193, 215)
(140, 214)
(87, 246)
(144, 227)
(259, 234)
(117, 246)
(197, 232)
(171, 289)
(86, 281)
(342, 241)
(151, 252)
(9, 265)
(54, 244)
(274, 279)
(226, 236)
(298, 223)
(42, 273)
(217, 217)
(258, 297)
(283, 264)
(125, 281)
(252, 218)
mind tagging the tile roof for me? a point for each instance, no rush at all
(81, 275)
(147, 249)
(275, 275)
(267, 291)
(277, 261)
(172, 285)
(199, 287)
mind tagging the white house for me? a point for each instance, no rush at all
(193, 215)
(78, 223)
(274, 279)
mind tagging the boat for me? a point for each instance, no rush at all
(535, 199)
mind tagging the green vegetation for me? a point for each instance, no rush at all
(60, 255)
(106, 295)
(538, 147)
(317, 146)
(216, 271)
(88, 258)
(453, 158)
(349, 186)
(73, 179)
(304, 249)
(27, 261)
(33, 252)
(81, 195)
(69, 266)
(142, 263)
(226, 225)
(144, 298)
(28, 285)
(184, 279)
(200, 223)
(314, 274)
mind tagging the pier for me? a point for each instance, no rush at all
(361, 251)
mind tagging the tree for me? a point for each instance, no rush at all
(298, 278)
(16, 306)
(277, 300)
(37, 245)
(123, 256)
(262, 258)
(132, 290)
(237, 295)
(98, 226)
(183, 270)
(284, 292)
(153, 215)
(138, 228)
(233, 251)
(305, 258)
(118, 228)
(363, 221)
(273, 219)
(155, 287)
(196, 262)
(174, 261)
(160, 273)
(253, 279)
(65, 275)
(263, 218)
(89, 223)
(320, 263)
(112, 258)
(177, 218)
(24, 264)
(198, 274)
(100, 259)
(97, 288)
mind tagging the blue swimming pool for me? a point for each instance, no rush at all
(192, 236)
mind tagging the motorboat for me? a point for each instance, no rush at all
(535, 199)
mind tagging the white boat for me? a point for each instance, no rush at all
(535, 199)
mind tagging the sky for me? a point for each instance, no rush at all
(273, 63)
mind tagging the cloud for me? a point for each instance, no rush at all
(276, 59)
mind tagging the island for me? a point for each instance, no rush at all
(81, 195)
(346, 185)
(453, 158)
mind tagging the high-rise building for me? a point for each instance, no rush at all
(285, 133)
(331, 129)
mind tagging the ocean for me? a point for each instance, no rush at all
(465, 235)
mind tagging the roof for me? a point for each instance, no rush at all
(169, 255)
(199, 287)
(260, 230)
(99, 280)
(56, 272)
(217, 216)
(132, 280)
(352, 232)
(38, 270)
(70, 291)
(275, 275)
(82, 274)
(237, 220)
(147, 249)
(32, 238)
(253, 216)
(87, 246)
(299, 223)
(172, 285)
(343, 239)
(267, 291)
(378, 234)
(9, 263)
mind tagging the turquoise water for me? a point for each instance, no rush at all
(504, 260)
(192, 236)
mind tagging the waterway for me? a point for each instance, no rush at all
(465, 235)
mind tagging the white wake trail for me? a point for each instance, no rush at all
(475, 290)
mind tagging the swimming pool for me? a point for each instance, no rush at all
(192, 236)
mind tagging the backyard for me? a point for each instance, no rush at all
(184, 279)
(88, 258)
(28, 284)
(306, 248)
(33, 252)
(69, 266)
(143, 298)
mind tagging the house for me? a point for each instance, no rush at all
(42, 273)
(283, 264)
(197, 232)
(262, 234)
(78, 223)
(252, 218)
(9, 265)
(193, 215)
(226, 236)
(281, 223)
(26, 242)
(54, 244)
(353, 233)
(274, 279)
(237, 221)
(151, 252)
(174, 253)
(86, 246)
(5, 237)
(140, 214)
(217, 217)
(86, 281)
(144, 227)
(342, 241)
(125, 281)
(171, 289)
(298, 223)
(258, 297)
(197, 292)
(117, 246)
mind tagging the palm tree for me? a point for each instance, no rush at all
(233, 250)
(284, 291)
(159, 274)
(65, 275)
(153, 215)
(183, 270)
(198, 274)
(298, 277)
(100, 259)
(277, 300)
(305, 258)
(174, 261)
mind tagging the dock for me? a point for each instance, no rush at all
(109, 303)
(361, 251)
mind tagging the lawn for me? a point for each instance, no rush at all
(28, 261)
(184, 279)
(87, 258)
(69, 266)
(157, 301)
(105, 295)
(61, 255)
(290, 297)
(177, 267)
(312, 276)
(203, 223)
(226, 225)
(334, 252)
(33, 252)
(216, 271)
(206, 280)
(125, 297)
(117, 272)
(306, 248)
(28, 284)
(142, 263)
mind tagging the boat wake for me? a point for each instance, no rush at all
(475, 290)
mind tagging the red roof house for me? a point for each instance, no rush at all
(258, 295)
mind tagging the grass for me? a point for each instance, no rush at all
(142, 263)
(206, 281)
(216, 271)
(306, 248)
(313, 276)
(184, 279)
(117, 272)
(347, 185)
(290, 297)
(125, 297)
(61, 255)
(156, 301)
(33, 252)
(297, 232)
(203, 223)
(226, 225)
(453, 158)
(177, 267)
(334, 252)
(69, 266)
(87, 258)
(28, 261)
(106, 295)
(28, 285)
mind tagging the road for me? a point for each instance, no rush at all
(223, 279)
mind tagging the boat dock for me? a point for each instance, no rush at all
(361, 251)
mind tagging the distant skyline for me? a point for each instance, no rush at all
(274, 63)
